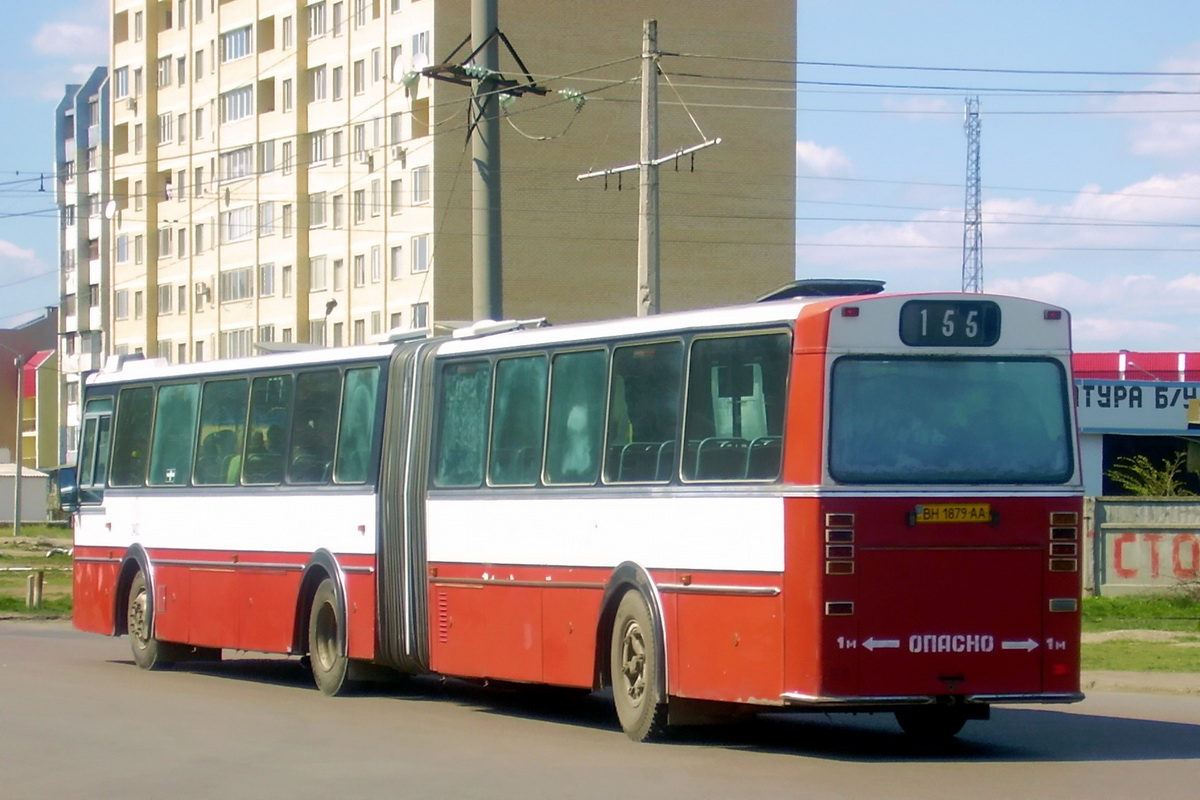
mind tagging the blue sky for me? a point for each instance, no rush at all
(1091, 183)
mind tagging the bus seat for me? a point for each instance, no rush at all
(764, 457)
(719, 458)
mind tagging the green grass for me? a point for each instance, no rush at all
(1182, 655)
(1175, 611)
(20, 557)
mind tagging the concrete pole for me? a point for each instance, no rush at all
(20, 362)
(648, 245)
(486, 251)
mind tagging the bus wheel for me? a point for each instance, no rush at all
(148, 652)
(326, 628)
(635, 667)
(932, 723)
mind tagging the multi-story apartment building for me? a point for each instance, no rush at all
(279, 172)
(81, 154)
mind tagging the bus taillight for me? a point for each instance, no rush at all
(1064, 533)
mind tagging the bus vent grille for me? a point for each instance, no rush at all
(443, 615)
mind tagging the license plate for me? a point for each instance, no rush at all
(953, 512)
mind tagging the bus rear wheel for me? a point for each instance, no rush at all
(326, 632)
(635, 665)
(932, 723)
(148, 652)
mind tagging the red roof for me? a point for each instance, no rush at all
(1131, 366)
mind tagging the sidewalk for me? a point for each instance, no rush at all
(1153, 682)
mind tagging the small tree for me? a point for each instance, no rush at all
(1142, 477)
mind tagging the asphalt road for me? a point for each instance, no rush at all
(78, 720)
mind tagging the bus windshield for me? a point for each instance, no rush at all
(949, 421)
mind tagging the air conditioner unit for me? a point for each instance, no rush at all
(399, 153)
(131, 104)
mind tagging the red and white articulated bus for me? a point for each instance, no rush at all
(847, 501)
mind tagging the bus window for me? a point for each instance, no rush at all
(463, 422)
(131, 437)
(576, 427)
(313, 432)
(93, 451)
(949, 421)
(266, 430)
(734, 420)
(174, 435)
(643, 418)
(359, 394)
(518, 421)
(222, 431)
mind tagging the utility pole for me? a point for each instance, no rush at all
(648, 242)
(20, 362)
(972, 265)
(647, 299)
(486, 249)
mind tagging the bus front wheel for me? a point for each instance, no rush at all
(635, 667)
(326, 631)
(148, 652)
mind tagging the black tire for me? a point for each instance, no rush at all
(635, 662)
(326, 635)
(932, 723)
(148, 652)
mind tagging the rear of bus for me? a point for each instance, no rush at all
(945, 532)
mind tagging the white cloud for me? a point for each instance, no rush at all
(820, 160)
(71, 40)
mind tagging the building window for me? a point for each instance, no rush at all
(397, 195)
(237, 104)
(139, 305)
(181, 308)
(237, 163)
(317, 279)
(319, 83)
(237, 343)
(396, 267)
(198, 66)
(360, 206)
(376, 197)
(121, 82)
(338, 16)
(164, 72)
(237, 43)
(166, 294)
(121, 304)
(237, 284)
(316, 20)
(266, 218)
(316, 210)
(266, 156)
(139, 26)
(181, 70)
(139, 249)
(420, 185)
(339, 211)
(286, 157)
(288, 100)
(198, 238)
(122, 248)
(360, 270)
(420, 315)
(420, 253)
(285, 281)
(198, 184)
(266, 280)
(376, 267)
(237, 224)
(339, 274)
(316, 143)
(336, 146)
(337, 82)
(360, 331)
(198, 118)
(287, 220)
(166, 128)
(360, 76)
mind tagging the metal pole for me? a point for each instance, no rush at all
(20, 362)
(486, 252)
(648, 245)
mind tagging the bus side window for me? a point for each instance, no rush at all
(131, 436)
(174, 435)
(270, 399)
(359, 394)
(463, 423)
(575, 431)
(734, 419)
(518, 421)
(313, 432)
(644, 418)
(221, 433)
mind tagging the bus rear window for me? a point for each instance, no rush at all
(949, 421)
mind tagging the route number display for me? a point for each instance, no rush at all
(950, 323)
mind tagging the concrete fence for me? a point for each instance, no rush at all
(1140, 544)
